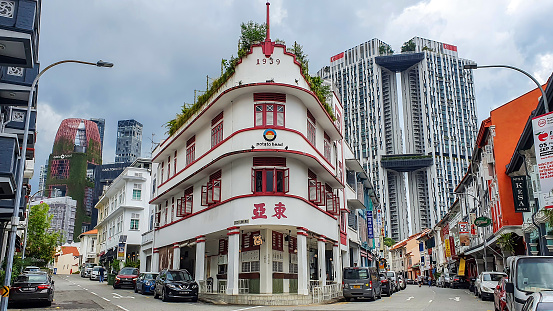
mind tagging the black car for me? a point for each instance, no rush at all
(458, 281)
(175, 284)
(386, 285)
(32, 287)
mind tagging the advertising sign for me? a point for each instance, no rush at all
(464, 233)
(121, 251)
(482, 221)
(447, 248)
(452, 246)
(543, 146)
(370, 232)
(520, 194)
(461, 270)
(336, 57)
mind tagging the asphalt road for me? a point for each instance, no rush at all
(76, 293)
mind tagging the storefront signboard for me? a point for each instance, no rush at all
(482, 221)
(370, 231)
(520, 194)
(543, 146)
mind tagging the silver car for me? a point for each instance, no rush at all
(485, 284)
(95, 274)
(539, 301)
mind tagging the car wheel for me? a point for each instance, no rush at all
(380, 294)
(135, 288)
(164, 297)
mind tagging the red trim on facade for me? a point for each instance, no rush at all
(302, 228)
(233, 233)
(241, 197)
(233, 228)
(250, 85)
(303, 233)
(200, 236)
(244, 151)
(275, 150)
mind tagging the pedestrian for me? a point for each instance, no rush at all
(101, 271)
(419, 280)
(429, 282)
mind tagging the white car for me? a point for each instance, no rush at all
(95, 274)
(486, 283)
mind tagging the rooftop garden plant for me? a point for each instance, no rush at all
(250, 33)
(408, 46)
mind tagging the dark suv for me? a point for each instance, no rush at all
(175, 284)
(361, 282)
(386, 285)
(459, 282)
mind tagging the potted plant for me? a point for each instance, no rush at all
(507, 243)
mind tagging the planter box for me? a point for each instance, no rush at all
(19, 20)
(9, 151)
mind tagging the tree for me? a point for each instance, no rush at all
(251, 33)
(41, 242)
(408, 46)
(389, 242)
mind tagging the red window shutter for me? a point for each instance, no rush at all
(218, 118)
(216, 191)
(286, 180)
(272, 97)
(321, 194)
(187, 204)
(253, 180)
(311, 175)
(269, 161)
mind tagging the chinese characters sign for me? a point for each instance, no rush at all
(259, 211)
(543, 146)
(370, 232)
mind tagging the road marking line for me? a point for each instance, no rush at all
(248, 308)
(117, 294)
(93, 293)
(106, 299)
(411, 297)
(122, 308)
(430, 301)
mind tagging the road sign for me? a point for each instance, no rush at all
(482, 221)
(5, 291)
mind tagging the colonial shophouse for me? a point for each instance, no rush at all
(250, 188)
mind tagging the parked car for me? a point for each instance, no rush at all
(86, 269)
(126, 277)
(386, 284)
(361, 282)
(410, 281)
(31, 269)
(539, 301)
(459, 281)
(146, 283)
(175, 284)
(401, 282)
(440, 282)
(393, 277)
(485, 284)
(499, 301)
(527, 274)
(448, 279)
(95, 273)
(32, 287)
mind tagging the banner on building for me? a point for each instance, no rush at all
(543, 146)
(464, 238)
(472, 217)
(452, 246)
(520, 194)
(447, 248)
(370, 232)
(461, 271)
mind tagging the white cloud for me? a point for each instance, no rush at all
(543, 67)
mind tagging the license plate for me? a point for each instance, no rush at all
(27, 289)
(356, 286)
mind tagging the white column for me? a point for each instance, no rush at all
(303, 268)
(176, 256)
(336, 263)
(233, 260)
(266, 263)
(200, 258)
(321, 260)
(155, 260)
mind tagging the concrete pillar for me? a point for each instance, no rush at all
(155, 260)
(321, 262)
(200, 258)
(233, 260)
(303, 267)
(176, 256)
(266, 265)
(337, 267)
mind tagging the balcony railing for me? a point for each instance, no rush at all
(147, 237)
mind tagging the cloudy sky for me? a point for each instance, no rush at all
(164, 49)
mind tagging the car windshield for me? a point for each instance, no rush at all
(545, 306)
(492, 277)
(178, 276)
(128, 271)
(535, 274)
(32, 278)
(150, 276)
(90, 265)
(356, 274)
(390, 274)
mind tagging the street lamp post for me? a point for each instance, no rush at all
(475, 66)
(15, 215)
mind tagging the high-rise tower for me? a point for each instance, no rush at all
(439, 122)
(129, 141)
(101, 123)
